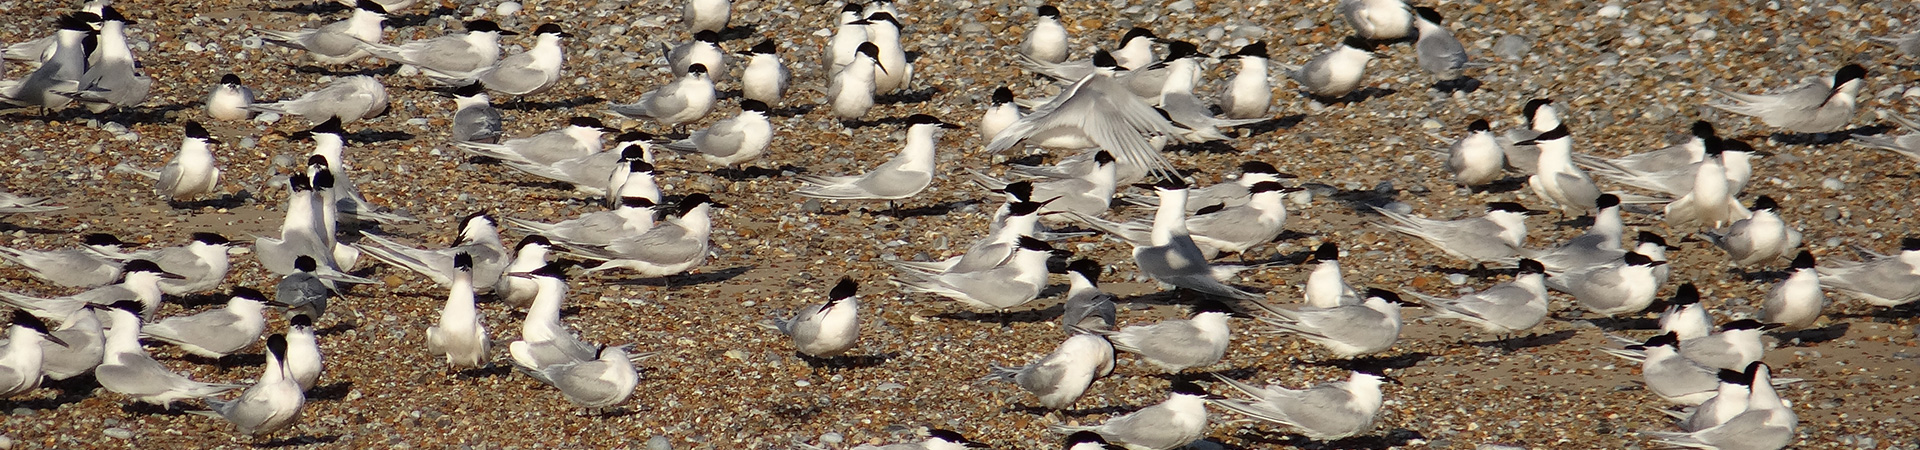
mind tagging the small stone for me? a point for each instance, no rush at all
(1612, 11)
(195, 47)
(1833, 184)
(1303, 24)
(1398, 207)
(1181, 6)
(658, 442)
(1703, 35)
(832, 438)
(118, 433)
(802, 383)
(507, 9)
(1512, 46)
(1457, 279)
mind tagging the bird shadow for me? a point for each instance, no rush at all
(847, 362)
(794, 111)
(149, 409)
(1375, 363)
(490, 371)
(908, 97)
(1500, 186)
(1758, 276)
(72, 390)
(690, 279)
(337, 328)
(1007, 317)
(298, 441)
(1478, 271)
(226, 201)
(1359, 200)
(1530, 340)
(8, 227)
(335, 391)
(1286, 122)
(320, 8)
(152, 115)
(1813, 335)
(1392, 439)
(523, 105)
(739, 32)
(1237, 373)
(1462, 84)
(1211, 147)
(751, 172)
(1825, 139)
(371, 136)
(1619, 323)
(232, 361)
(414, 20)
(1357, 96)
(937, 209)
(199, 300)
(386, 70)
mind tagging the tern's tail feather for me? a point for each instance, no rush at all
(129, 168)
(1223, 122)
(1635, 356)
(531, 227)
(495, 151)
(999, 373)
(283, 38)
(926, 267)
(390, 252)
(986, 181)
(836, 188)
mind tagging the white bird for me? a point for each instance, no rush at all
(140, 282)
(1540, 116)
(1046, 39)
(1907, 145)
(1906, 43)
(74, 349)
(1685, 316)
(1729, 400)
(1476, 159)
(338, 42)
(1664, 159)
(1625, 287)
(530, 254)
(230, 99)
(21, 361)
(1796, 301)
(61, 71)
(270, 404)
(706, 15)
(1555, 178)
(11, 203)
(88, 266)
(896, 73)
(1061, 377)
(1766, 423)
(1086, 307)
(1175, 95)
(445, 58)
(544, 339)
(765, 77)
(850, 31)
(1438, 51)
(202, 264)
(580, 138)
(595, 383)
(191, 173)
(348, 98)
(1173, 423)
(129, 371)
(704, 50)
(829, 329)
(937, 439)
(674, 245)
(1880, 281)
(329, 148)
(1008, 283)
(688, 98)
(1171, 256)
(1326, 287)
(301, 233)
(852, 88)
(303, 360)
(1324, 412)
(1757, 239)
(1175, 345)
(732, 141)
(1087, 196)
(1096, 111)
(1736, 345)
(1136, 49)
(1822, 106)
(1337, 72)
(594, 173)
(460, 335)
(1673, 377)
(1496, 236)
(904, 176)
(1505, 308)
(1371, 326)
(42, 49)
(1020, 218)
(1232, 193)
(1001, 113)
(633, 217)
(526, 73)
(474, 118)
(1250, 93)
(219, 332)
(1601, 243)
(1380, 20)
(479, 237)
(636, 179)
(113, 79)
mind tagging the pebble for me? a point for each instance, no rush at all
(1457, 279)
(506, 9)
(1833, 184)
(118, 433)
(1612, 11)
(658, 442)
(1513, 46)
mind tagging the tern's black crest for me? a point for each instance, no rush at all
(556, 269)
(300, 321)
(1049, 11)
(1736, 145)
(1170, 184)
(1184, 387)
(1103, 158)
(1029, 243)
(1002, 96)
(1702, 129)
(1182, 49)
(1136, 32)
(636, 202)
(299, 182)
(1649, 237)
(230, 79)
(869, 50)
(141, 265)
(586, 122)
(1429, 14)
(369, 6)
(707, 36)
(484, 25)
(1735, 377)
(1686, 294)
(1479, 125)
(1357, 43)
(1087, 268)
(551, 28)
(331, 126)
(1910, 244)
(1529, 266)
(317, 161)
(1849, 73)
(1507, 207)
(471, 90)
(1765, 202)
(1803, 261)
(1636, 259)
(462, 261)
(305, 263)
(1085, 437)
(210, 238)
(697, 68)
(633, 136)
(100, 239)
(1022, 190)
(694, 200)
(1533, 108)
(1606, 201)
(277, 346)
(1665, 339)
(1266, 186)
(1101, 58)
(883, 17)
(1211, 306)
(639, 165)
(247, 293)
(1559, 132)
(765, 47)
(1742, 324)
(947, 435)
(844, 289)
(534, 239)
(322, 180)
(1327, 252)
(194, 130)
(80, 21)
(132, 306)
(108, 13)
(24, 319)
(1384, 294)
(755, 106)
(1024, 208)
(1258, 49)
(852, 7)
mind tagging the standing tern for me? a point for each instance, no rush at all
(1338, 72)
(1061, 377)
(1438, 51)
(901, 177)
(1476, 159)
(732, 141)
(1002, 240)
(128, 370)
(526, 73)
(191, 173)
(1250, 94)
(460, 335)
(634, 216)
(688, 98)
(82, 267)
(544, 339)
(1173, 423)
(301, 233)
(74, 349)
(852, 88)
(114, 79)
(1175, 345)
(1767, 422)
(339, 42)
(1324, 412)
(303, 361)
(1505, 308)
(1086, 308)
(329, 151)
(1796, 301)
(270, 404)
(674, 245)
(1881, 281)
(592, 173)
(1736, 345)
(530, 254)
(896, 72)
(1232, 193)
(1496, 236)
(230, 99)
(1046, 39)
(1673, 377)
(1326, 286)
(1001, 113)
(202, 263)
(706, 15)
(1170, 255)
(765, 77)
(1347, 330)
(1087, 196)
(445, 57)
(219, 332)
(347, 98)
(1823, 106)
(829, 329)
(849, 33)
(1757, 239)
(1555, 179)
(60, 72)
(474, 118)
(1540, 116)
(1729, 400)
(705, 51)
(1136, 49)
(21, 361)
(1666, 158)
(1599, 245)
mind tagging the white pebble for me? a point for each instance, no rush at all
(1457, 279)
(801, 383)
(1612, 11)
(269, 117)
(1833, 184)
(507, 9)
(195, 47)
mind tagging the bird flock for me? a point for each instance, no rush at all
(1108, 120)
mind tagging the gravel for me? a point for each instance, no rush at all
(1628, 75)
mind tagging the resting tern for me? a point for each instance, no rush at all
(1325, 412)
(1173, 423)
(128, 370)
(1061, 377)
(338, 42)
(829, 329)
(676, 244)
(1822, 106)
(1175, 345)
(1371, 326)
